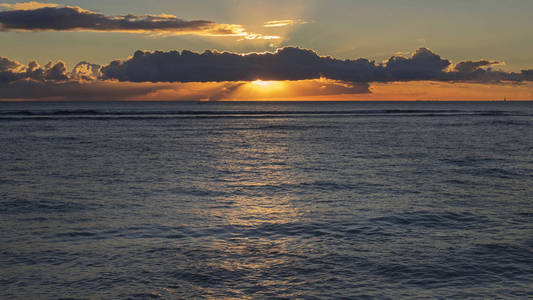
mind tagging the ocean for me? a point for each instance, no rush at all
(311, 200)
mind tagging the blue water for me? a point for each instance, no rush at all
(266, 200)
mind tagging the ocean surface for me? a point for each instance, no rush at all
(386, 200)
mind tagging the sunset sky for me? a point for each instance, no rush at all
(266, 50)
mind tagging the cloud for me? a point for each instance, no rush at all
(422, 65)
(27, 5)
(472, 66)
(85, 82)
(35, 16)
(527, 75)
(6, 64)
(482, 72)
(54, 82)
(285, 64)
(213, 75)
(8, 70)
(55, 72)
(292, 63)
(257, 36)
(12, 71)
(74, 90)
(86, 71)
(283, 23)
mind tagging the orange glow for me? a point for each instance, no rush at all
(290, 90)
(448, 91)
(331, 90)
(259, 89)
(303, 90)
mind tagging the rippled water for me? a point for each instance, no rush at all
(309, 200)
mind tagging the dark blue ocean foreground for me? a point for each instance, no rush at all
(266, 200)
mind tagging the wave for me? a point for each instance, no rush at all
(427, 219)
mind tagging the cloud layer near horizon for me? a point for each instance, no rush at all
(292, 63)
(162, 69)
(35, 16)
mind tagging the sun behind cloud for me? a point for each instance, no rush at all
(263, 88)
(262, 83)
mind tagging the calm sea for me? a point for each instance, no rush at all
(266, 200)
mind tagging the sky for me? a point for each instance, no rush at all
(266, 50)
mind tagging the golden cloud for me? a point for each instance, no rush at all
(27, 5)
(284, 23)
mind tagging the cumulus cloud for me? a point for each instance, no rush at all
(292, 63)
(481, 71)
(285, 64)
(218, 75)
(471, 66)
(6, 64)
(11, 70)
(86, 71)
(35, 16)
(422, 65)
(53, 81)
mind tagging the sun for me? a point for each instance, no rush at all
(260, 82)
(260, 89)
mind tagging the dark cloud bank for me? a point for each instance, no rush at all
(298, 64)
(285, 64)
(75, 18)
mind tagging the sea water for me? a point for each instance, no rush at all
(118, 200)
